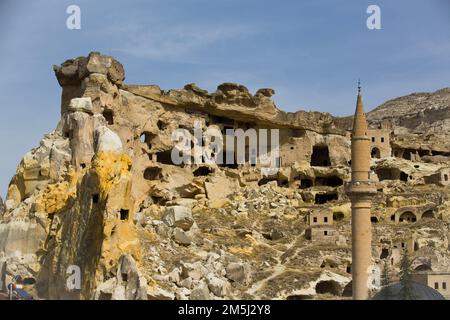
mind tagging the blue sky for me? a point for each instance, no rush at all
(310, 52)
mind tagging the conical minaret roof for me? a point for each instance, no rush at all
(359, 120)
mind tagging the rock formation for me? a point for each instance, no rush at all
(102, 193)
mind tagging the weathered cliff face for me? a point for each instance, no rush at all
(101, 193)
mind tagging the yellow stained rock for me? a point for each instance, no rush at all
(110, 168)
(55, 196)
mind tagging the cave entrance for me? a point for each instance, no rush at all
(391, 174)
(320, 156)
(338, 216)
(407, 216)
(321, 198)
(328, 286)
(333, 181)
(428, 214)
(165, 157)
(306, 183)
(109, 116)
(384, 253)
(202, 171)
(264, 181)
(375, 153)
(147, 137)
(124, 213)
(283, 183)
(153, 173)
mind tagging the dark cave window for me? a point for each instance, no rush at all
(332, 181)
(109, 116)
(321, 198)
(305, 183)
(320, 156)
(384, 254)
(161, 125)
(95, 198)
(165, 157)
(338, 216)
(375, 153)
(124, 214)
(202, 171)
(152, 173)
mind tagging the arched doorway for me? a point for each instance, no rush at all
(407, 216)
(428, 214)
(375, 153)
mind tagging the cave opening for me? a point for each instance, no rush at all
(320, 156)
(321, 198)
(408, 216)
(384, 253)
(202, 171)
(338, 216)
(375, 153)
(306, 183)
(161, 125)
(283, 183)
(147, 137)
(109, 116)
(391, 174)
(332, 181)
(428, 214)
(153, 173)
(124, 213)
(165, 157)
(328, 286)
(264, 181)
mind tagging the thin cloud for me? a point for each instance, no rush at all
(172, 43)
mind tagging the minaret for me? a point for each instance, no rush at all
(360, 191)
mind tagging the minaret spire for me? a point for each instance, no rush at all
(360, 191)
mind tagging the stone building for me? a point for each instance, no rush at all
(380, 144)
(316, 217)
(322, 234)
(439, 281)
